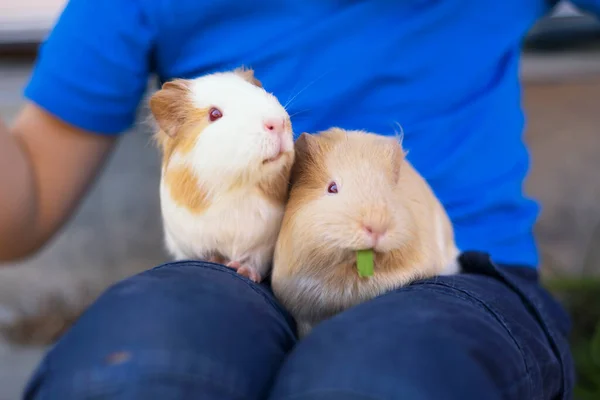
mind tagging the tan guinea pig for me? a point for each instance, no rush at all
(353, 190)
(228, 149)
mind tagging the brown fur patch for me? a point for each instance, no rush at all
(276, 189)
(185, 189)
(171, 106)
(309, 157)
(184, 140)
(312, 150)
(179, 121)
(248, 75)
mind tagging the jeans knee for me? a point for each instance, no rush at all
(416, 367)
(193, 278)
(417, 344)
(187, 287)
(145, 375)
(183, 324)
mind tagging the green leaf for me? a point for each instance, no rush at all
(364, 263)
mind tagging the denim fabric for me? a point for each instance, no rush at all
(193, 330)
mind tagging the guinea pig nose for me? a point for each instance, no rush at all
(374, 232)
(275, 125)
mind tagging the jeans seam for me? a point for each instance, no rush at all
(222, 268)
(494, 313)
(537, 309)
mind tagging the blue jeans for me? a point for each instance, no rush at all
(196, 330)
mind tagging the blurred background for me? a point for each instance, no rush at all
(117, 231)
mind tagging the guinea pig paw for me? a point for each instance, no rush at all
(234, 265)
(249, 273)
(245, 270)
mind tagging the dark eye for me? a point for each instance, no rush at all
(214, 114)
(332, 188)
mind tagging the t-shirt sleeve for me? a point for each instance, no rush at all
(93, 68)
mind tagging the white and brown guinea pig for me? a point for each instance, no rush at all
(228, 149)
(354, 190)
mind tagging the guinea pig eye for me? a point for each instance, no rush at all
(332, 188)
(214, 114)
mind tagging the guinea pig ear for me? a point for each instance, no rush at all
(171, 106)
(306, 145)
(396, 156)
(305, 148)
(248, 75)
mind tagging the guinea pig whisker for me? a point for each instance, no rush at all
(290, 95)
(289, 102)
(298, 112)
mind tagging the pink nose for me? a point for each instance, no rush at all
(374, 233)
(275, 125)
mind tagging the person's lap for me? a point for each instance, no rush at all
(198, 330)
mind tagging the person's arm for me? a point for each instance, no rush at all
(89, 77)
(45, 168)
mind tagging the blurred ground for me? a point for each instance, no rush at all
(117, 230)
(564, 140)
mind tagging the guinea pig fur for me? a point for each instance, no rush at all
(355, 190)
(227, 152)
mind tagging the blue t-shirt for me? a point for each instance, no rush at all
(445, 71)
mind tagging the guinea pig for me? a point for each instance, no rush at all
(351, 191)
(227, 152)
